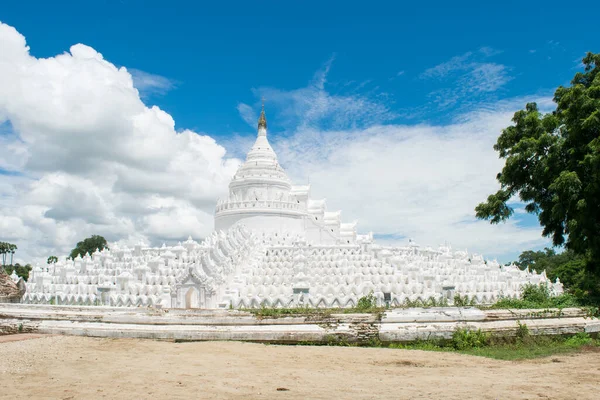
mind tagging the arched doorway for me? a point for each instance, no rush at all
(192, 298)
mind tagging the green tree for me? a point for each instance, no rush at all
(89, 245)
(7, 249)
(12, 249)
(567, 266)
(52, 260)
(3, 251)
(553, 165)
(546, 259)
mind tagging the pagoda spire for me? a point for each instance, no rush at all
(262, 121)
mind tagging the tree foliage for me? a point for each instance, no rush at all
(540, 296)
(567, 266)
(20, 270)
(7, 249)
(52, 260)
(89, 245)
(553, 165)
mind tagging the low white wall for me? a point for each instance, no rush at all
(273, 221)
(399, 325)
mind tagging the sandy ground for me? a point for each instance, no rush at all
(63, 367)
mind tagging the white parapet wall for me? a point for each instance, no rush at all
(397, 325)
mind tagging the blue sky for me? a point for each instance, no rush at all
(215, 54)
(338, 77)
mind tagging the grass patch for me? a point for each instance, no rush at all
(476, 343)
(521, 347)
(537, 349)
(266, 312)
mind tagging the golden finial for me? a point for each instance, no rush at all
(262, 120)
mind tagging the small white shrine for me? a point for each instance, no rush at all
(274, 246)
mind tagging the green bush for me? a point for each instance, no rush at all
(522, 331)
(536, 293)
(580, 339)
(366, 302)
(465, 338)
(538, 296)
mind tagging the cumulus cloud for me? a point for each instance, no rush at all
(91, 157)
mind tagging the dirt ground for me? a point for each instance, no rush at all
(64, 367)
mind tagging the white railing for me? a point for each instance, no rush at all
(250, 204)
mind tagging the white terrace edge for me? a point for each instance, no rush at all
(396, 325)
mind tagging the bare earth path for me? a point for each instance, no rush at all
(63, 367)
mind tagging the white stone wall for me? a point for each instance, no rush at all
(394, 326)
(241, 268)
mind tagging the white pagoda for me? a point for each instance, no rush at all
(261, 197)
(274, 246)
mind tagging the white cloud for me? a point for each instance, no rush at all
(14, 152)
(578, 63)
(468, 76)
(247, 114)
(92, 158)
(456, 63)
(314, 105)
(489, 51)
(148, 83)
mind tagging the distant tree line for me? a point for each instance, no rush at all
(86, 246)
(7, 250)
